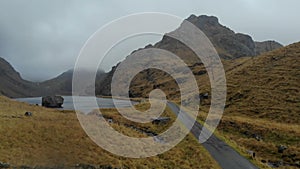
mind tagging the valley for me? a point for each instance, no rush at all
(260, 121)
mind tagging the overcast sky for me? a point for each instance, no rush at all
(42, 38)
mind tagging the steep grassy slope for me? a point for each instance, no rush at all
(263, 105)
(267, 86)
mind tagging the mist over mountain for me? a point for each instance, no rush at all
(229, 45)
(13, 85)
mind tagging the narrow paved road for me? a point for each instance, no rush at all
(226, 156)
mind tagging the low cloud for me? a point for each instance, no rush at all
(42, 38)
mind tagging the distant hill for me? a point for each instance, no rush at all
(62, 84)
(14, 86)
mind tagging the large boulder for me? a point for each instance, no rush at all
(281, 148)
(4, 165)
(53, 101)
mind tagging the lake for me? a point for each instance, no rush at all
(85, 102)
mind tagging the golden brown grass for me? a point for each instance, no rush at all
(240, 133)
(55, 138)
(263, 99)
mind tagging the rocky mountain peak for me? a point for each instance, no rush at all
(203, 20)
(229, 44)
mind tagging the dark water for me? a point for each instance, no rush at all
(82, 102)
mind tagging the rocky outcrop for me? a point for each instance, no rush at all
(229, 44)
(28, 114)
(263, 47)
(53, 101)
(281, 148)
(4, 165)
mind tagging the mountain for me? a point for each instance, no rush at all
(229, 45)
(264, 87)
(261, 114)
(12, 84)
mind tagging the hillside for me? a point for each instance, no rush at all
(263, 105)
(12, 84)
(267, 86)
